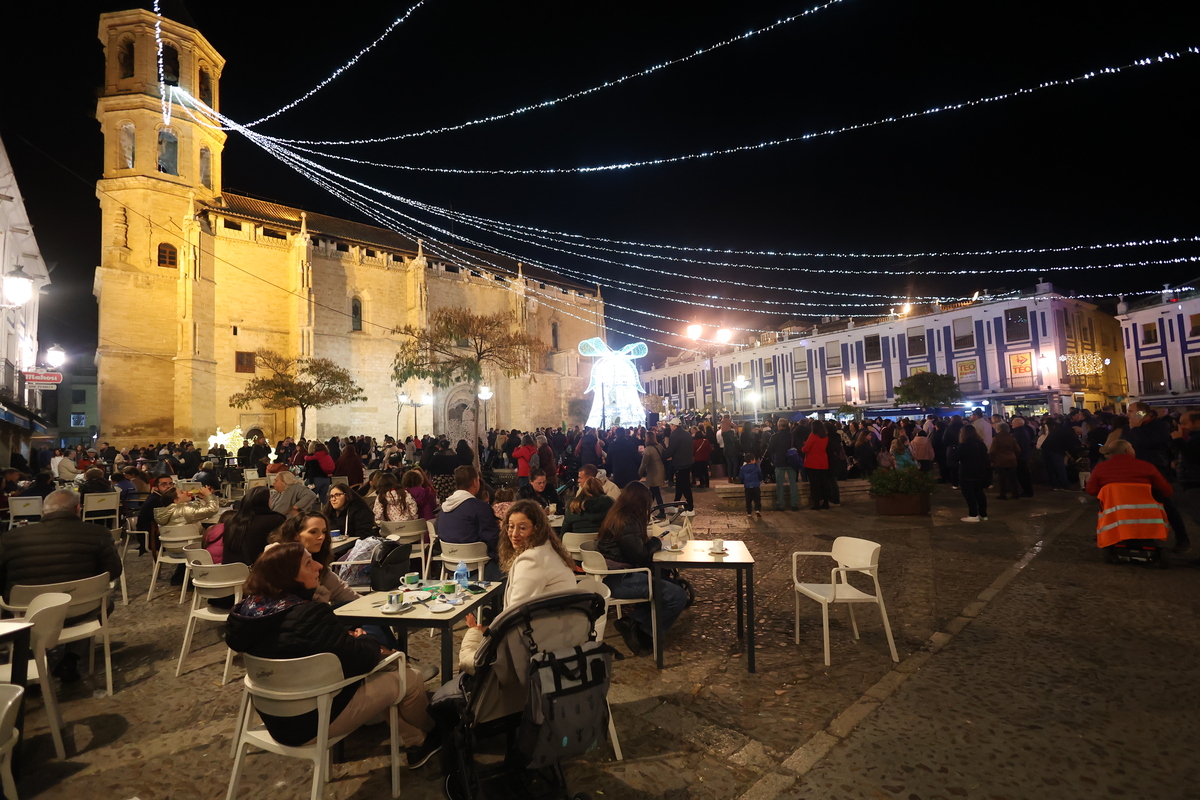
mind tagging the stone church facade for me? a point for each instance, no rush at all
(194, 280)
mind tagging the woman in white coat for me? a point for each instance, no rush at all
(536, 563)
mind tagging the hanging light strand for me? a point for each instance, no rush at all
(163, 95)
(559, 100)
(626, 165)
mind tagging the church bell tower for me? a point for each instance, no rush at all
(154, 284)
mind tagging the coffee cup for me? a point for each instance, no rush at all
(449, 587)
(718, 545)
(412, 578)
(553, 509)
(394, 600)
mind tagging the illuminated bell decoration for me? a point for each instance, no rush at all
(1084, 363)
(615, 385)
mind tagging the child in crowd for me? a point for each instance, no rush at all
(505, 497)
(751, 482)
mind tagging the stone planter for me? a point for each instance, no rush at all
(900, 505)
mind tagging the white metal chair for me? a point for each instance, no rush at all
(851, 555)
(28, 507)
(412, 532)
(598, 587)
(195, 554)
(211, 581)
(473, 554)
(254, 483)
(122, 536)
(250, 475)
(431, 525)
(10, 703)
(187, 485)
(102, 508)
(172, 541)
(289, 687)
(595, 565)
(341, 480)
(46, 612)
(87, 596)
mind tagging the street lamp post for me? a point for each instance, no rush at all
(485, 394)
(56, 356)
(740, 384)
(753, 397)
(723, 335)
(404, 400)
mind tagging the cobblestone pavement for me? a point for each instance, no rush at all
(702, 727)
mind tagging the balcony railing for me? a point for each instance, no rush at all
(802, 402)
(10, 379)
(970, 386)
(1187, 383)
(880, 396)
(1019, 382)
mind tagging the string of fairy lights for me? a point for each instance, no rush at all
(609, 84)
(331, 179)
(747, 148)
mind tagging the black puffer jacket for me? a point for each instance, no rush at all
(588, 520)
(294, 627)
(630, 547)
(59, 548)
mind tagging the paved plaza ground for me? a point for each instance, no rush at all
(1028, 669)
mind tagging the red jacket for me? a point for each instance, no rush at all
(815, 454)
(701, 449)
(1124, 468)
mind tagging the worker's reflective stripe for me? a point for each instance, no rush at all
(1157, 522)
(1130, 505)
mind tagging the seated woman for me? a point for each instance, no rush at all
(502, 501)
(588, 509)
(246, 534)
(535, 561)
(278, 618)
(208, 476)
(184, 508)
(538, 489)
(901, 454)
(214, 537)
(312, 530)
(625, 543)
(393, 503)
(349, 514)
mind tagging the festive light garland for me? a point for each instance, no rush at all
(163, 97)
(337, 72)
(1141, 62)
(548, 103)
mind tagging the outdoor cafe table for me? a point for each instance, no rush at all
(696, 554)
(369, 606)
(17, 633)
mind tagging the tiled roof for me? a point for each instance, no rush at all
(286, 217)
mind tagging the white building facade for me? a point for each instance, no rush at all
(1162, 348)
(1032, 353)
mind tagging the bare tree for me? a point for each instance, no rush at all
(458, 346)
(302, 383)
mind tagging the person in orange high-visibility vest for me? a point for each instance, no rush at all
(1131, 492)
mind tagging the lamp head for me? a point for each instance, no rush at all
(724, 335)
(18, 287)
(56, 356)
(694, 331)
(426, 399)
(402, 397)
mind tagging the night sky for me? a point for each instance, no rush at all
(1112, 159)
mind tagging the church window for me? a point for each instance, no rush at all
(170, 65)
(128, 146)
(356, 314)
(343, 247)
(205, 88)
(271, 233)
(554, 335)
(206, 168)
(244, 362)
(168, 256)
(125, 61)
(168, 153)
(232, 225)
(370, 253)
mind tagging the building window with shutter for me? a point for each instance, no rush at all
(244, 362)
(168, 256)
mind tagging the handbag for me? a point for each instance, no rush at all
(389, 564)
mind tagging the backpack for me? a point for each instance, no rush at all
(566, 709)
(389, 563)
(793, 458)
(534, 461)
(886, 460)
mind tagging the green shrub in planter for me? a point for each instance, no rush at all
(907, 480)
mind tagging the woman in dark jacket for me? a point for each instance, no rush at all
(625, 542)
(208, 476)
(349, 466)
(864, 454)
(246, 534)
(278, 619)
(974, 473)
(464, 452)
(348, 513)
(588, 509)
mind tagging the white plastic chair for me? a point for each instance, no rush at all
(23, 507)
(187, 485)
(473, 554)
(412, 532)
(46, 612)
(87, 595)
(598, 587)
(10, 702)
(102, 508)
(595, 565)
(289, 687)
(572, 542)
(250, 475)
(172, 541)
(851, 555)
(341, 480)
(122, 536)
(211, 581)
(431, 525)
(195, 554)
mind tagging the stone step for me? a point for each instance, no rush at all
(731, 496)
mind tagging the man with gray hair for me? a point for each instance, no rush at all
(59, 548)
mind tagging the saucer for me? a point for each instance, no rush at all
(400, 609)
(722, 551)
(439, 608)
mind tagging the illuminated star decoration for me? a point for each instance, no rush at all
(614, 384)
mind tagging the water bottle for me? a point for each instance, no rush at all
(462, 576)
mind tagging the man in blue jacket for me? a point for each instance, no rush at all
(464, 518)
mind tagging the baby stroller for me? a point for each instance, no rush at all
(1132, 525)
(540, 686)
